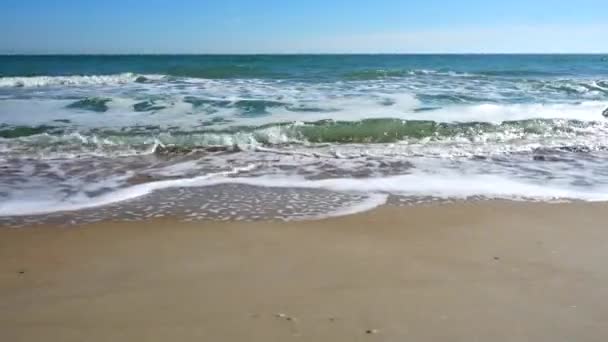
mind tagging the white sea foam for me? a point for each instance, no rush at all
(441, 185)
(494, 113)
(592, 134)
(44, 81)
(84, 148)
(403, 106)
(22, 207)
(371, 202)
(448, 185)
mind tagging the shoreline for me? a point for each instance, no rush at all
(470, 270)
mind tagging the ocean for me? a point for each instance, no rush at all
(257, 137)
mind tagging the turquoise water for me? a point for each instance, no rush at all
(307, 67)
(440, 126)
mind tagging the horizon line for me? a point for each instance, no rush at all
(294, 53)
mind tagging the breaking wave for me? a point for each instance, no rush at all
(417, 135)
(44, 81)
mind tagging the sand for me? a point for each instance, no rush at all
(470, 271)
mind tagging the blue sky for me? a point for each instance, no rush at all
(313, 26)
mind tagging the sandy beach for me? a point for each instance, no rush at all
(470, 271)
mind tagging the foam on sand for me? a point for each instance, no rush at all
(445, 185)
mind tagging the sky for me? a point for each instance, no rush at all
(298, 26)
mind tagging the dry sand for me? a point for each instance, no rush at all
(473, 271)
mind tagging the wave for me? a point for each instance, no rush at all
(575, 87)
(197, 72)
(429, 86)
(44, 81)
(516, 73)
(376, 74)
(443, 185)
(83, 201)
(418, 135)
(194, 72)
(373, 74)
(191, 113)
(446, 185)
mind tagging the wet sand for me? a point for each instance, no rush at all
(471, 271)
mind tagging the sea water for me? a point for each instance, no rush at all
(86, 138)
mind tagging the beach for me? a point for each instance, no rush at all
(347, 197)
(264, 171)
(465, 271)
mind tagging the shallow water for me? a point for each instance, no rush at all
(113, 133)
